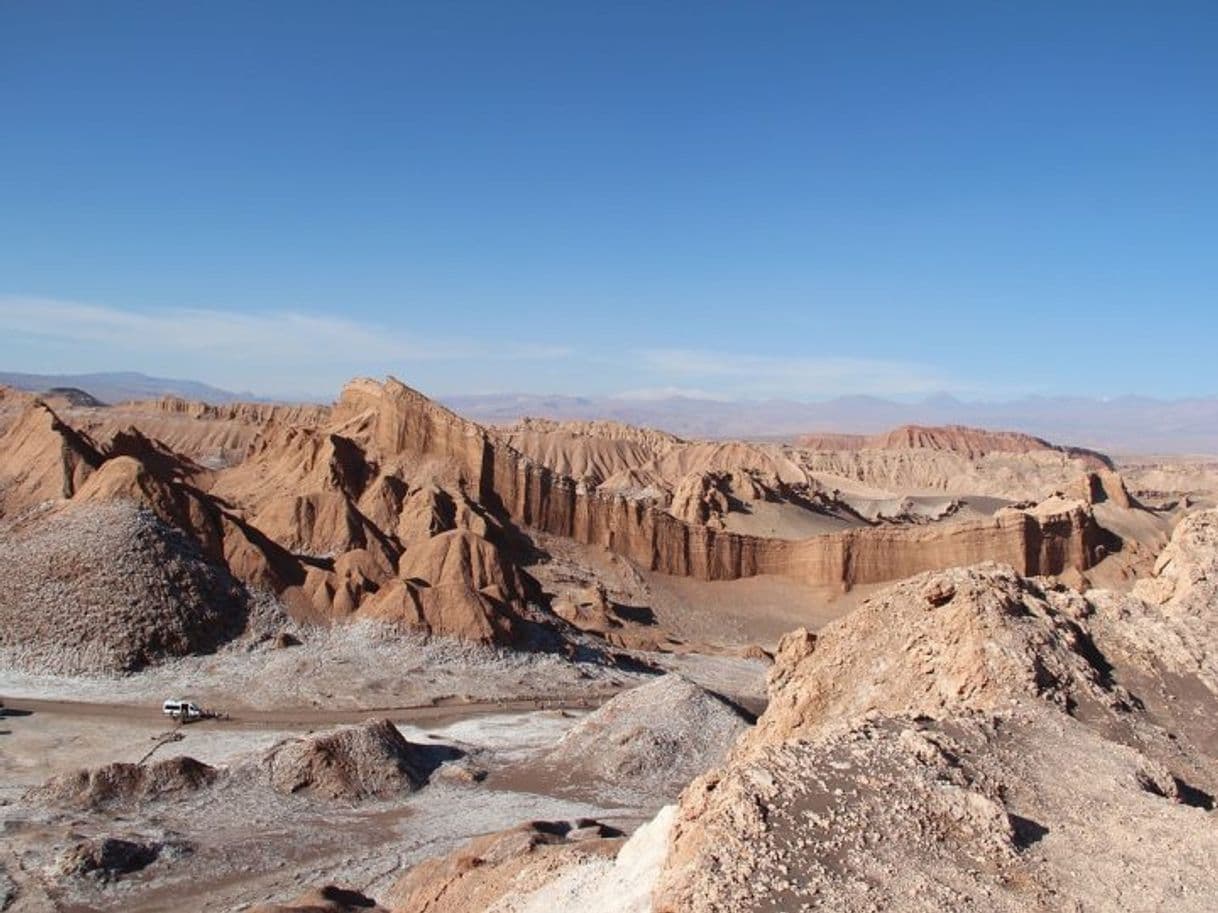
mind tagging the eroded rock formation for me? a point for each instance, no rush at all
(389, 506)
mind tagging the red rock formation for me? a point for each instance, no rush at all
(960, 439)
(43, 459)
(408, 424)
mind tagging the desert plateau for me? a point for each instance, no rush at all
(584, 665)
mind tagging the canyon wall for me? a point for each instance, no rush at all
(1032, 543)
(399, 421)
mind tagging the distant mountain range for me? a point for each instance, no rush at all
(120, 386)
(1129, 424)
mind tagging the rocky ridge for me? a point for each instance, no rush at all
(391, 507)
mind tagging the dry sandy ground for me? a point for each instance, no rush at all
(249, 844)
(754, 610)
(241, 843)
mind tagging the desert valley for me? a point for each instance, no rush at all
(552, 665)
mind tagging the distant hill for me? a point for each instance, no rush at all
(119, 386)
(1129, 424)
(1125, 424)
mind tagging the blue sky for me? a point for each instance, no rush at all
(739, 200)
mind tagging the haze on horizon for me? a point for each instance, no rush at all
(795, 202)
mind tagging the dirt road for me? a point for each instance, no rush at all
(438, 713)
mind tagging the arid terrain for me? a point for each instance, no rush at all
(583, 665)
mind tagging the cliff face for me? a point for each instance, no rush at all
(401, 422)
(1032, 544)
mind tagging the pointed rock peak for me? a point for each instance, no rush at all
(365, 393)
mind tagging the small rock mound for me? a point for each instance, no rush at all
(330, 899)
(121, 783)
(652, 739)
(109, 588)
(371, 760)
(109, 858)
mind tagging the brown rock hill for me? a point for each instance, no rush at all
(960, 439)
(42, 459)
(589, 451)
(910, 457)
(288, 518)
(217, 435)
(973, 740)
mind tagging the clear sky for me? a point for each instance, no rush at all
(742, 199)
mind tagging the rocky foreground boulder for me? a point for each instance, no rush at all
(473, 878)
(972, 740)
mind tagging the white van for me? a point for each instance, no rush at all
(182, 710)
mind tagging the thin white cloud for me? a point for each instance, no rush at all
(304, 351)
(763, 375)
(288, 353)
(240, 334)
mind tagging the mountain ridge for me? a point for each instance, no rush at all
(1127, 423)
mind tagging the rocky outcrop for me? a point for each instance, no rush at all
(372, 760)
(1169, 621)
(42, 459)
(650, 740)
(248, 413)
(455, 583)
(1035, 544)
(969, 638)
(110, 587)
(1009, 812)
(971, 739)
(403, 423)
(959, 439)
(125, 784)
(475, 877)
